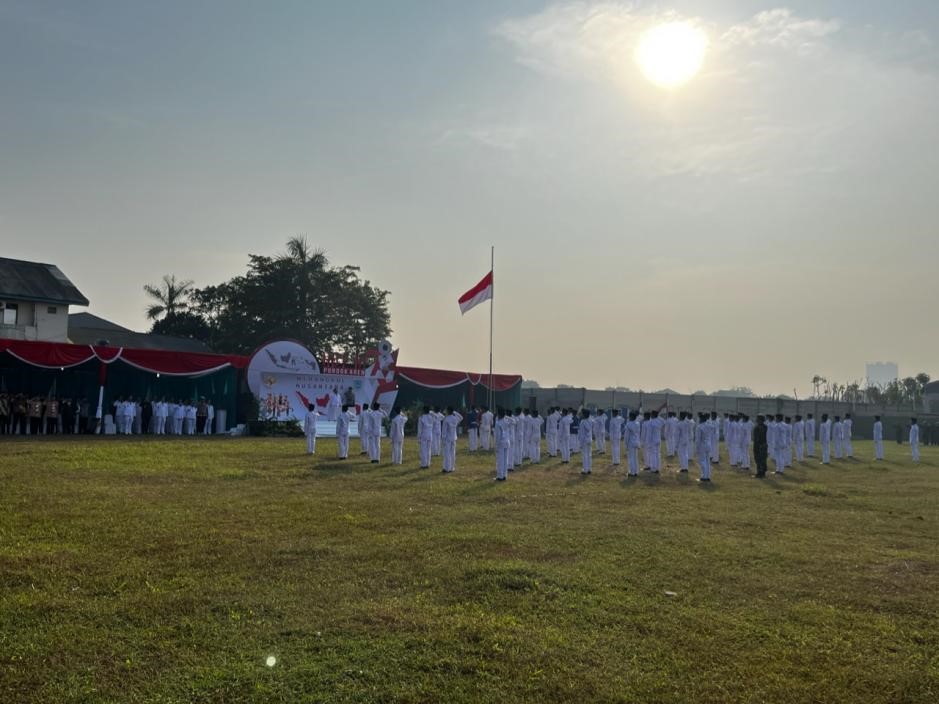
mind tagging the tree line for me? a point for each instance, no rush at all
(908, 390)
(297, 294)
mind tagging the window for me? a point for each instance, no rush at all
(52, 310)
(9, 314)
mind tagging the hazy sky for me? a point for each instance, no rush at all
(773, 218)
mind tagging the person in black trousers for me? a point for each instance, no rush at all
(760, 447)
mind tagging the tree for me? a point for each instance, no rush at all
(530, 384)
(296, 295)
(183, 324)
(922, 379)
(170, 297)
(817, 382)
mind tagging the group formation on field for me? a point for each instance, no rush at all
(517, 436)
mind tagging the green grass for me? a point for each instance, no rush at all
(168, 571)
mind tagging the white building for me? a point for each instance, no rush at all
(34, 301)
(880, 374)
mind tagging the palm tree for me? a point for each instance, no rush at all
(922, 379)
(817, 381)
(170, 296)
(307, 267)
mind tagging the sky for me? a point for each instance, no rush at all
(773, 218)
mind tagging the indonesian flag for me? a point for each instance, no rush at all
(476, 295)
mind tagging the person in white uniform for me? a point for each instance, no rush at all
(552, 424)
(425, 436)
(309, 429)
(632, 443)
(377, 417)
(438, 432)
(848, 433)
(564, 435)
(343, 421)
(824, 436)
(914, 439)
(878, 439)
(671, 434)
(503, 443)
(209, 419)
(190, 419)
(798, 438)
(837, 437)
(704, 435)
(451, 422)
(599, 431)
(398, 421)
(616, 436)
(485, 428)
(536, 423)
(472, 429)
(334, 405)
(810, 435)
(683, 440)
(585, 440)
(179, 417)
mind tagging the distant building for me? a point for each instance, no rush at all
(34, 301)
(881, 374)
(88, 329)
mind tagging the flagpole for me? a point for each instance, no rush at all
(492, 303)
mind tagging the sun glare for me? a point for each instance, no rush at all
(671, 54)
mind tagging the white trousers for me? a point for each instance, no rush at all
(878, 449)
(343, 442)
(374, 447)
(633, 454)
(311, 443)
(800, 449)
(704, 462)
(826, 452)
(838, 449)
(601, 442)
(472, 435)
(587, 457)
(425, 447)
(534, 450)
(449, 455)
(564, 445)
(616, 448)
(684, 453)
(848, 448)
(810, 445)
(436, 445)
(502, 461)
(914, 448)
(552, 443)
(397, 450)
(485, 436)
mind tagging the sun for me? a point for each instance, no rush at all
(671, 54)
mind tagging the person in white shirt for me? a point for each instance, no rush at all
(438, 432)
(837, 437)
(715, 438)
(787, 436)
(451, 422)
(210, 418)
(914, 439)
(824, 433)
(503, 441)
(848, 428)
(878, 439)
(377, 416)
(425, 436)
(564, 435)
(632, 444)
(525, 448)
(810, 435)
(190, 419)
(704, 435)
(342, 432)
(309, 429)
(179, 416)
(510, 425)
(398, 421)
(616, 435)
(746, 437)
(485, 428)
(585, 440)
(552, 425)
(684, 440)
(334, 404)
(518, 441)
(671, 434)
(536, 423)
(364, 428)
(119, 415)
(599, 431)
(798, 437)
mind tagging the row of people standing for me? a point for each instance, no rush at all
(37, 415)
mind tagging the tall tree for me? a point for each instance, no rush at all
(169, 297)
(296, 295)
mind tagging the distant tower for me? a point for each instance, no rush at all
(881, 374)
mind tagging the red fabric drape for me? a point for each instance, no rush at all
(442, 379)
(52, 355)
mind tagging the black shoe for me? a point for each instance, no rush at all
(683, 471)
(500, 479)
(374, 461)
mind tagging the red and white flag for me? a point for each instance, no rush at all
(476, 295)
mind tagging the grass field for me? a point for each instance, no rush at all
(170, 570)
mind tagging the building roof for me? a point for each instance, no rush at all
(33, 281)
(931, 388)
(88, 329)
